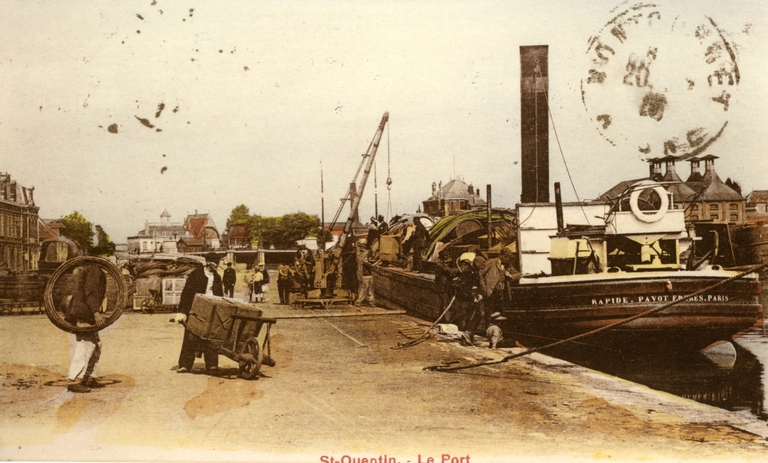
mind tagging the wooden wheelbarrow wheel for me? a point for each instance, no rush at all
(251, 357)
(296, 300)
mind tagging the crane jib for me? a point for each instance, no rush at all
(371, 155)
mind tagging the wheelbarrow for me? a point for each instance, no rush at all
(232, 328)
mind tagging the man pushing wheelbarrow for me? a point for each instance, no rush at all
(217, 325)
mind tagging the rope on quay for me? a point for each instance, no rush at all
(423, 337)
(598, 330)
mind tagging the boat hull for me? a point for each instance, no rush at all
(544, 310)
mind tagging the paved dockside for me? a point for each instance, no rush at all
(339, 389)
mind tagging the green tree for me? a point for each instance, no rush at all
(265, 231)
(240, 215)
(294, 227)
(104, 247)
(280, 232)
(78, 229)
(283, 232)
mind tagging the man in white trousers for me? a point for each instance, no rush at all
(86, 308)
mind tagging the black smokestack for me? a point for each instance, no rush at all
(534, 123)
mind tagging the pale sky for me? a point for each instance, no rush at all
(257, 94)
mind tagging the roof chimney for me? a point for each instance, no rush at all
(655, 169)
(695, 170)
(709, 162)
(534, 123)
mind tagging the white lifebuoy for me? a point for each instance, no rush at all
(648, 216)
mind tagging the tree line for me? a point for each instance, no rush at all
(268, 232)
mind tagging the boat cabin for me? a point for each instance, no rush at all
(632, 235)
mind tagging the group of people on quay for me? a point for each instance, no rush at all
(479, 288)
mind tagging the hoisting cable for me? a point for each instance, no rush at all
(389, 182)
(598, 330)
(375, 192)
(559, 147)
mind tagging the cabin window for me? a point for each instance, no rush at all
(713, 207)
(733, 207)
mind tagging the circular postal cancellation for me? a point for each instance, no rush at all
(660, 80)
(80, 287)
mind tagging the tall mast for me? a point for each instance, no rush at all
(322, 204)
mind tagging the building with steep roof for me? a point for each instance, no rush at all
(19, 242)
(675, 185)
(716, 202)
(705, 197)
(757, 207)
(157, 236)
(452, 198)
(202, 228)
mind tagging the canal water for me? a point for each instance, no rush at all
(732, 376)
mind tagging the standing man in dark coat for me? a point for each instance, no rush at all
(283, 282)
(85, 307)
(230, 277)
(420, 237)
(468, 310)
(444, 276)
(203, 280)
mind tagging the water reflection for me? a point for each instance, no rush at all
(721, 381)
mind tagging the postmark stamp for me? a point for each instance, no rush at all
(660, 80)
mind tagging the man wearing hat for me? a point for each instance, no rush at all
(468, 310)
(202, 280)
(493, 332)
(365, 263)
(230, 277)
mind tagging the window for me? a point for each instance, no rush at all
(713, 207)
(695, 207)
(714, 217)
(733, 207)
(734, 218)
(694, 217)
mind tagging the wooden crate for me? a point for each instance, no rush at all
(211, 318)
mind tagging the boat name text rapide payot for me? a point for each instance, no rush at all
(660, 298)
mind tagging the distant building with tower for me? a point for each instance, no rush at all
(454, 197)
(197, 233)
